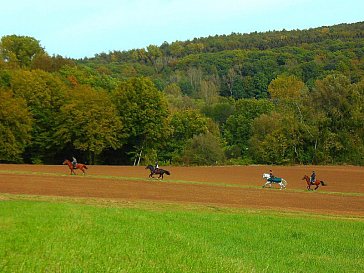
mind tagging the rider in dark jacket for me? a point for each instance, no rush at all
(313, 177)
(156, 167)
(74, 162)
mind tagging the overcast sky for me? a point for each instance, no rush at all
(83, 28)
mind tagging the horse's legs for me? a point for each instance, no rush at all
(283, 184)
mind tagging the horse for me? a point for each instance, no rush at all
(280, 181)
(154, 171)
(79, 166)
(317, 182)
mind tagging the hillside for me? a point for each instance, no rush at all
(244, 64)
(278, 97)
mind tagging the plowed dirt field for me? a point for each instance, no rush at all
(231, 186)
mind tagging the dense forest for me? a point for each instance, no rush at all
(278, 97)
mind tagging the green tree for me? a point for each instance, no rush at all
(89, 122)
(286, 88)
(44, 94)
(203, 149)
(185, 125)
(238, 128)
(220, 111)
(176, 100)
(144, 113)
(290, 96)
(20, 49)
(75, 75)
(279, 138)
(338, 106)
(154, 56)
(15, 127)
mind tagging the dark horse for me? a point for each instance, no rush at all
(79, 166)
(153, 171)
(317, 183)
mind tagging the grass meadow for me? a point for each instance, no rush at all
(69, 235)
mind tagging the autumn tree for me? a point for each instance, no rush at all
(44, 94)
(15, 127)
(185, 124)
(290, 96)
(338, 105)
(143, 111)
(154, 56)
(89, 122)
(20, 49)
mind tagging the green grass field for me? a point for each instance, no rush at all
(67, 235)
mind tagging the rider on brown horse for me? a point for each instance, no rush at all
(313, 177)
(74, 162)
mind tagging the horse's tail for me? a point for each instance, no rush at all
(323, 183)
(168, 173)
(284, 182)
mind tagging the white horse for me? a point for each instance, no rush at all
(280, 181)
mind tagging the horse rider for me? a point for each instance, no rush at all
(74, 162)
(271, 175)
(313, 177)
(156, 166)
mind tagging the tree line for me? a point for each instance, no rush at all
(280, 97)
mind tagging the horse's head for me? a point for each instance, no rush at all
(65, 162)
(305, 177)
(150, 167)
(266, 175)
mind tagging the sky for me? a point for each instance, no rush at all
(83, 28)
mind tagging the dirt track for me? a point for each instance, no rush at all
(240, 186)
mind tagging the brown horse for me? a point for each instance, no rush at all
(317, 183)
(79, 166)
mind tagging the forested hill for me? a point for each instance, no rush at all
(243, 64)
(255, 40)
(278, 97)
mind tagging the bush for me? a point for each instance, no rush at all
(204, 149)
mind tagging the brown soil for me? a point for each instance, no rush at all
(240, 186)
